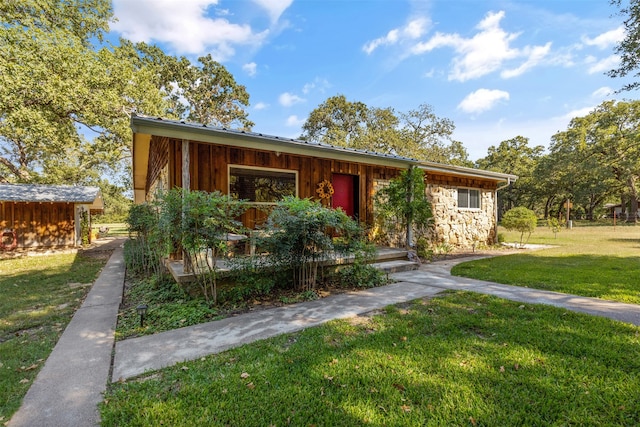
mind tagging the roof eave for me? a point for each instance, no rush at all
(470, 172)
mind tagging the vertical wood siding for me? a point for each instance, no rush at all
(39, 224)
(209, 172)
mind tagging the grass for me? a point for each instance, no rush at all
(115, 229)
(39, 296)
(459, 359)
(601, 262)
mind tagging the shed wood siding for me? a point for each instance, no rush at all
(209, 171)
(39, 224)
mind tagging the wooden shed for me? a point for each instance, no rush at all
(35, 216)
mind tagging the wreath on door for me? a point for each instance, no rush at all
(325, 190)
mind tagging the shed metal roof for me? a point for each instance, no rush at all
(49, 193)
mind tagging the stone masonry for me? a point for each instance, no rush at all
(461, 227)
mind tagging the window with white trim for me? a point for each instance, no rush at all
(468, 198)
(262, 185)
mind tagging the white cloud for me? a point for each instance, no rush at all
(294, 121)
(603, 92)
(288, 99)
(319, 84)
(261, 106)
(535, 56)
(605, 40)
(274, 8)
(603, 65)
(485, 52)
(251, 68)
(412, 30)
(482, 100)
(184, 25)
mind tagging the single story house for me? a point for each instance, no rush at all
(262, 169)
(34, 215)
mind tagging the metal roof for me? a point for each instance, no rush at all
(48, 193)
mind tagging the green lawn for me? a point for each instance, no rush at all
(115, 229)
(39, 295)
(602, 262)
(460, 359)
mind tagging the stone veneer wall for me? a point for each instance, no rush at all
(461, 227)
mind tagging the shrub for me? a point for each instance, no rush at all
(520, 219)
(142, 254)
(403, 204)
(302, 233)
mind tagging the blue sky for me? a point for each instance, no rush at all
(497, 68)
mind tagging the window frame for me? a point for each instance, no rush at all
(288, 171)
(468, 207)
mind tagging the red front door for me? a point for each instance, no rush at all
(344, 195)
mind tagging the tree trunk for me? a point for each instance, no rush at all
(633, 215)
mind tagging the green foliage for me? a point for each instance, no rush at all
(430, 251)
(142, 253)
(555, 225)
(360, 275)
(402, 204)
(198, 223)
(418, 134)
(300, 235)
(170, 307)
(628, 48)
(514, 156)
(116, 204)
(522, 220)
(85, 231)
(85, 82)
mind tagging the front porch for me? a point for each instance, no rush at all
(389, 260)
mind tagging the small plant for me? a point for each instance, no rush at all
(555, 225)
(142, 254)
(520, 219)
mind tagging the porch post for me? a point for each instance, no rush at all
(410, 210)
(186, 186)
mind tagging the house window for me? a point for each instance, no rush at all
(262, 185)
(468, 198)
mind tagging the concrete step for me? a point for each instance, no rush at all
(396, 266)
(389, 254)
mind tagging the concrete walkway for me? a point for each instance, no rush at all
(67, 390)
